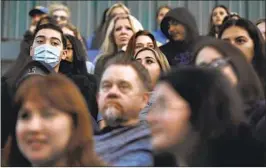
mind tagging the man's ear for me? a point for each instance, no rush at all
(145, 99)
(64, 55)
(31, 51)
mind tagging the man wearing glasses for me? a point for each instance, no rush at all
(60, 13)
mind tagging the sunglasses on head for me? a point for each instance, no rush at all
(63, 18)
(217, 63)
(173, 22)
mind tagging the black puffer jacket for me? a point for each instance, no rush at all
(256, 111)
(9, 85)
(88, 87)
(179, 52)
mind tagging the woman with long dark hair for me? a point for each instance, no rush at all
(197, 116)
(216, 19)
(243, 34)
(218, 54)
(75, 62)
(75, 68)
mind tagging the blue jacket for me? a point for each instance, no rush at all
(125, 145)
(160, 37)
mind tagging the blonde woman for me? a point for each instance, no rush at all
(118, 34)
(60, 13)
(96, 39)
(116, 9)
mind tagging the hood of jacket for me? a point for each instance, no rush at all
(183, 16)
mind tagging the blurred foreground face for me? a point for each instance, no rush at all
(120, 96)
(61, 17)
(261, 27)
(122, 32)
(240, 38)
(149, 61)
(218, 16)
(162, 14)
(169, 118)
(143, 41)
(210, 57)
(43, 133)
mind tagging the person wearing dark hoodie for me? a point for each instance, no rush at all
(180, 27)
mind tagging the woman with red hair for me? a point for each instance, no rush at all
(52, 125)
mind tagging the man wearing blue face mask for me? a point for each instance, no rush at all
(47, 50)
(49, 45)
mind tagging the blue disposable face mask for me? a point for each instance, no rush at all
(48, 54)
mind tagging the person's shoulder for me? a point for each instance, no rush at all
(90, 67)
(156, 33)
(164, 46)
(141, 130)
(257, 110)
(35, 68)
(28, 33)
(241, 149)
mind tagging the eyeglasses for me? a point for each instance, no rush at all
(63, 18)
(217, 63)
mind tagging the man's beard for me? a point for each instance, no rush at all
(113, 114)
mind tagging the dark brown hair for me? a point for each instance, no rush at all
(211, 25)
(60, 93)
(52, 26)
(259, 58)
(132, 42)
(248, 84)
